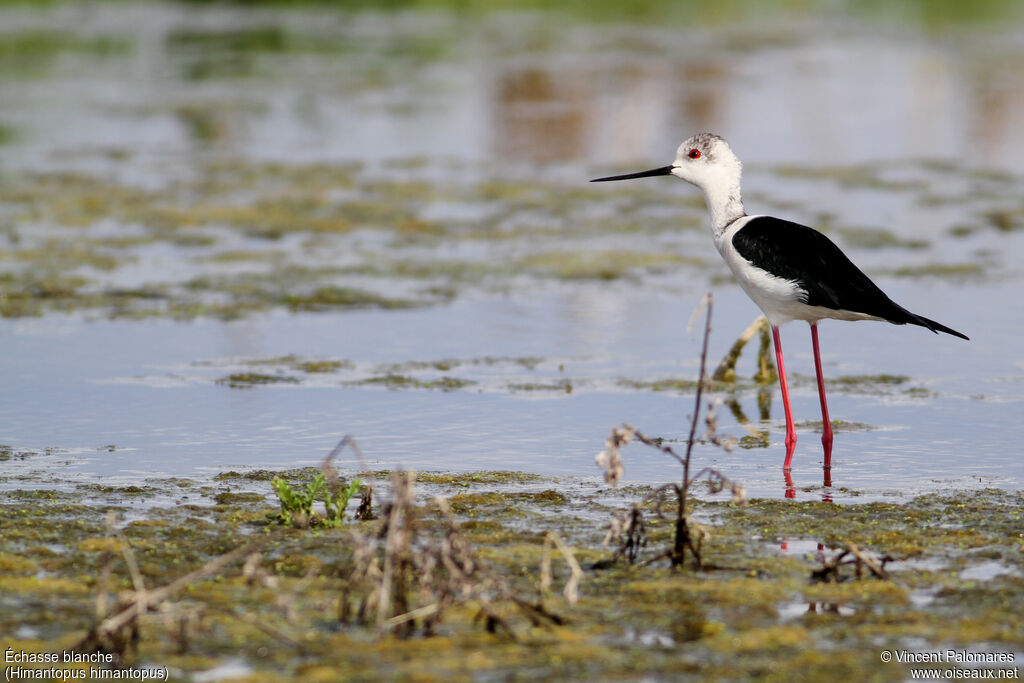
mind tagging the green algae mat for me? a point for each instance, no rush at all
(501, 575)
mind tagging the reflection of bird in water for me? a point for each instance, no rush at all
(792, 272)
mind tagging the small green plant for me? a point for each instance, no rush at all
(336, 507)
(297, 504)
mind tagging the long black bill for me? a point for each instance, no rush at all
(664, 170)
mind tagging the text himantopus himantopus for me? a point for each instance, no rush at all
(792, 272)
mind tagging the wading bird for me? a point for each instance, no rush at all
(792, 272)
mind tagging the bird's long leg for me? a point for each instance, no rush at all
(790, 429)
(826, 435)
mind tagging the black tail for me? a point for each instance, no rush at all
(933, 326)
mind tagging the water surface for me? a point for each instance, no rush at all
(192, 193)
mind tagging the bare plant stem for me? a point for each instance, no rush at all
(682, 532)
(688, 535)
(365, 510)
(140, 603)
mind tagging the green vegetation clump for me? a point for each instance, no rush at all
(247, 380)
(297, 504)
(467, 479)
(953, 271)
(325, 298)
(602, 265)
(28, 52)
(678, 385)
(564, 385)
(392, 381)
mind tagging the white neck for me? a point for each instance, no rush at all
(724, 203)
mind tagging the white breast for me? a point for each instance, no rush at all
(778, 298)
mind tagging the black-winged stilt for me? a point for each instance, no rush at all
(792, 272)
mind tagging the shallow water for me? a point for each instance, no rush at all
(460, 144)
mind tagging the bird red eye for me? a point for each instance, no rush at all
(694, 154)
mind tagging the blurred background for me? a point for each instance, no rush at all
(232, 232)
(513, 81)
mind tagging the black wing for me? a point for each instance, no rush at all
(827, 277)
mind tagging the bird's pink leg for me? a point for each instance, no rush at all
(790, 429)
(826, 435)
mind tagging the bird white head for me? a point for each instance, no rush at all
(707, 161)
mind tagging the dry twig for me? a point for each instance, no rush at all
(689, 536)
(119, 631)
(831, 570)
